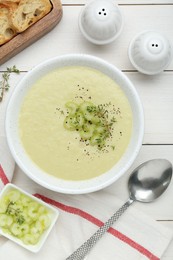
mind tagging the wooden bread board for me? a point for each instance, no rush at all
(32, 34)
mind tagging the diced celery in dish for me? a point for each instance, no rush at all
(23, 217)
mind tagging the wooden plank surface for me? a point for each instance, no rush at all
(156, 92)
(66, 37)
(168, 255)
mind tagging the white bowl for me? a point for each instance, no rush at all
(101, 21)
(60, 185)
(54, 213)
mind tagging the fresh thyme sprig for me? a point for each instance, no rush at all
(4, 83)
(15, 212)
(103, 113)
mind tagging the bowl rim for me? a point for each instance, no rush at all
(74, 187)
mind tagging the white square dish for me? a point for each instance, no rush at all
(17, 212)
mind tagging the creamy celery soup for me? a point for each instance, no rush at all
(75, 123)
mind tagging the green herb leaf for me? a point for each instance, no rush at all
(20, 219)
(4, 83)
(16, 212)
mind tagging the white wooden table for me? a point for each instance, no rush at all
(156, 92)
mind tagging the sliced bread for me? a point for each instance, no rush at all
(29, 12)
(7, 31)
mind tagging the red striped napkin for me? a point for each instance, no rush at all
(134, 236)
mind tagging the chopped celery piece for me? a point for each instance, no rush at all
(72, 107)
(87, 132)
(80, 120)
(70, 123)
(13, 195)
(30, 239)
(91, 121)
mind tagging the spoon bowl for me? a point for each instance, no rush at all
(146, 183)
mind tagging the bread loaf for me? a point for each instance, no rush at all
(7, 31)
(17, 15)
(28, 12)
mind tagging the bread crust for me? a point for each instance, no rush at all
(9, 1)
(18, 15)
(7, 30)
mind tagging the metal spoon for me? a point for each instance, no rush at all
(147, 182)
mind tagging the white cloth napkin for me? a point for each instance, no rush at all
(134, 236)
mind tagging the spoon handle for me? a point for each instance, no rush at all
(83, 250)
